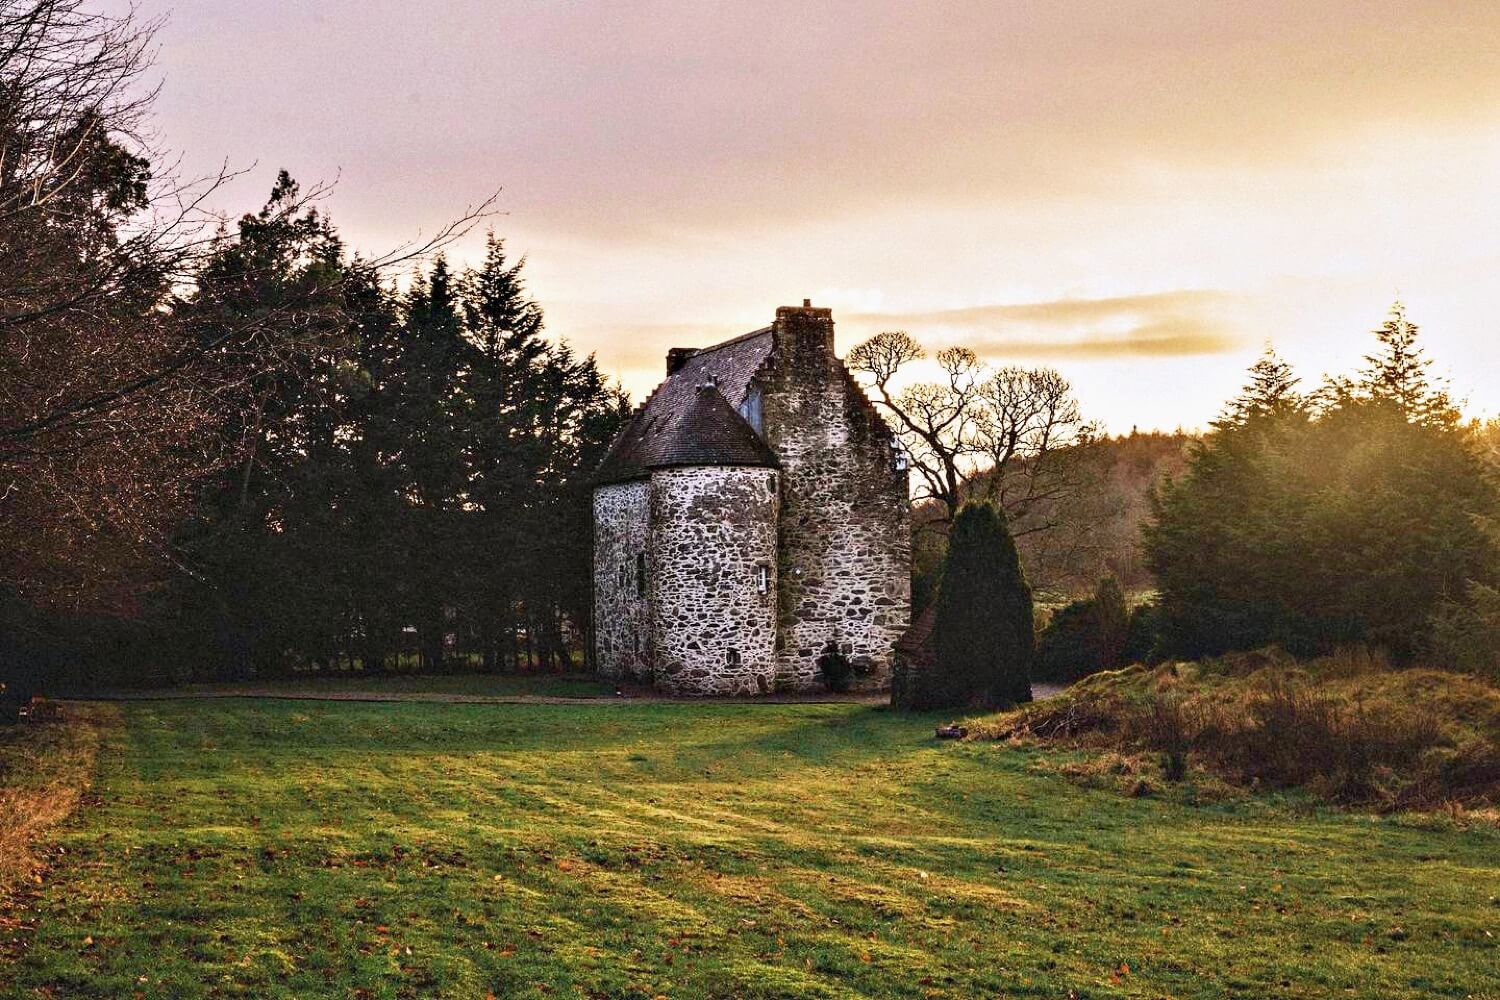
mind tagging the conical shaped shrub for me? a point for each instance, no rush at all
(983, 642)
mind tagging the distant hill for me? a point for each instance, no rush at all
(1099, 531)
(1098, 528)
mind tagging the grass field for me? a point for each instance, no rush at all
(280, 849)
(539, 685)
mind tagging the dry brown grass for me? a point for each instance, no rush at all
(45, 770)
(1346, 727)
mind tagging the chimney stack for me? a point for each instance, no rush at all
(805, 332)
(677, 357)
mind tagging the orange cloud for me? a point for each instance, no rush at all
(1160, 324)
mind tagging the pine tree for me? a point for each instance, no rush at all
(431, 408)
(504, 325)
(983, 634)
(263, 571)
(1270, 392)
(1398, 373)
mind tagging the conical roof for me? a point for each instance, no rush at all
(691, 418)
(708, 431)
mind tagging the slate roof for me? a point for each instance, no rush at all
(679, 424)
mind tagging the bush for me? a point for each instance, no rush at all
(1143, 635)
(1098, 633)
(1065, 649)
(835, 668)
(1466, 636)
(1111, 623)
(1165, 724)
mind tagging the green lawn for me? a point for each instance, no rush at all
(280, 849)
(483, 685)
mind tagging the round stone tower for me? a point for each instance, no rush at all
(713, 554)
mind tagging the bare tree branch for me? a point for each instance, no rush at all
(1010, 436)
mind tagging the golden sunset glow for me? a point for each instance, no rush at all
(1139, 194)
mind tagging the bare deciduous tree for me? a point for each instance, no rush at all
(106, 400)
(1008, 435)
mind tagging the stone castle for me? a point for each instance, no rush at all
(752, 512)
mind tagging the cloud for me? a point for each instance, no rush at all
(1176, 337)
(1161, 324)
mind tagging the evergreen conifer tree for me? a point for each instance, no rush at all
(1271, 391)
(1398, 373)
(983, 635)
(1318, 527)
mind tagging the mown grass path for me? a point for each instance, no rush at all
(278, 849)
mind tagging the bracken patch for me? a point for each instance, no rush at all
(1347, 728)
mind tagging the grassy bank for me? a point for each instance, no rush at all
(302, 849)
(44, 772)
(1347, 728)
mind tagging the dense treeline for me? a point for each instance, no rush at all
(1359, 513)
(236, 450)
(404, 481)
(415, 485)
(402, 476)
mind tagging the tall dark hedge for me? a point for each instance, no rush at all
(983, 640)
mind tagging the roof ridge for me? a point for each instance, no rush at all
(730, 342)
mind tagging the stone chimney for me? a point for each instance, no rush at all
(677, 357)
(804, 334)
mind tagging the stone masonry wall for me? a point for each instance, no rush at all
(712, 529)
(622, 618)
(845, 545)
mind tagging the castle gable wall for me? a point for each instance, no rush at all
(845, 542)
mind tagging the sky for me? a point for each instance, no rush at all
(1141, 195)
